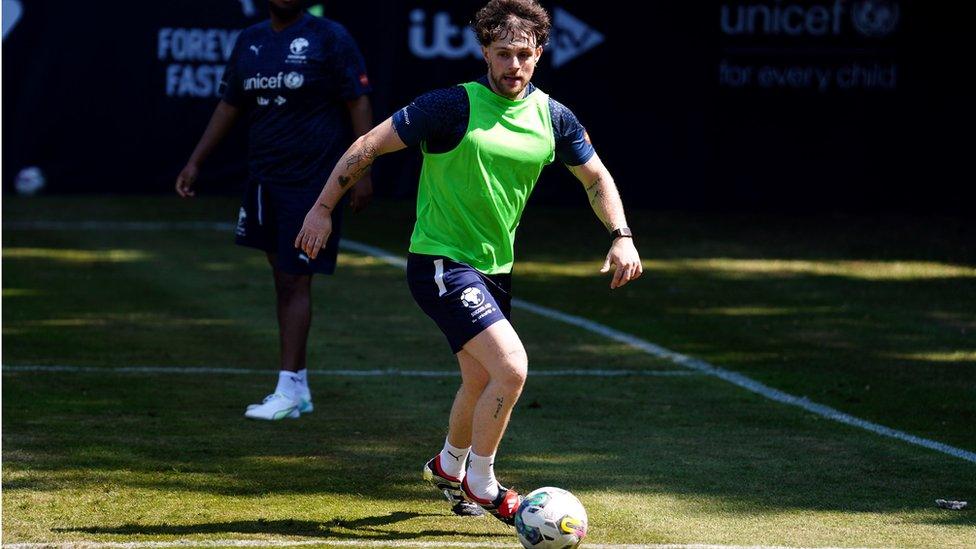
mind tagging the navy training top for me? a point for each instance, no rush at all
(440, 118)
(293, 85)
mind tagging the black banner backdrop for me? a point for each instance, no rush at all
(756, 104)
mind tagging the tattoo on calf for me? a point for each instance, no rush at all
(344, 181)
(501, 400)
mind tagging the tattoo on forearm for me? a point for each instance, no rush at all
(369, 154)
(597, 196)
(595, 190)
(366, 154)
(501, 400)
(324, 206)
(358, 163)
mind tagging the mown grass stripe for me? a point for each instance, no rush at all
(735, 378)
(150, 370)
(647, 347)
(354, 543)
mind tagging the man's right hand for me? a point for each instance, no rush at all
(315, 231)
(186, 180)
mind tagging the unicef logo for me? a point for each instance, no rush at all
(875, 18)
(472, 297)
(294, 80)
(299, 46)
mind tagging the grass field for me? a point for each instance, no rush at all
(872, 316)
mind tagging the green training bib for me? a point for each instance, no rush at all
(471, 198)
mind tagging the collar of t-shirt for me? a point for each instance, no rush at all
(297, 25)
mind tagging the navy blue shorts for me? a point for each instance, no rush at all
(461, 300)
(270, 218)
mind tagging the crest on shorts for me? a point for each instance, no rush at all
(241, 222)
(472, 297)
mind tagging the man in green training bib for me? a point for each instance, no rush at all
(484, 145)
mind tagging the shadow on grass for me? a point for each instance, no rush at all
(674, 437)
(820, 336)
(366, 527)
(965, 517)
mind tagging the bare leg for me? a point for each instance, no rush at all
(499, 351)
(453, 457)
(474, 379)
(294, 295)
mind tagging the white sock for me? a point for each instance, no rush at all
(289, 384)
(453, 459)
(481, 477)
(303, 380)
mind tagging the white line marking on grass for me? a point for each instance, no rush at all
(326, 373)
(378, 253)
(652, 349)
(117, 226)
(698, 365)
(353, 543)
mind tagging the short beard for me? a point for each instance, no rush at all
(499, 83)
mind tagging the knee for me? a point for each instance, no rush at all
(512, 375)
(474, 384)
(288, 285)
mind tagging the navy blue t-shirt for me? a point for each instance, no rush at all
(440, 119)
(293, 85)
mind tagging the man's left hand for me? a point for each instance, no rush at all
(625, 260)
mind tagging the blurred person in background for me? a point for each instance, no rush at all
(300, 83)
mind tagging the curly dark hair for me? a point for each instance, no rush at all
(500, 18)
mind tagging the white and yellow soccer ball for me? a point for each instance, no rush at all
(550, 518)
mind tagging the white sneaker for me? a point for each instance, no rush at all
(304, 403)
(275, 406)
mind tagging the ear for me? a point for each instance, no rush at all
(538, 54)
(484, 54)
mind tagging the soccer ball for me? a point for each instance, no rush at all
(29, 181)
(550, 518)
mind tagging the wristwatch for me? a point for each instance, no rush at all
(622, 231)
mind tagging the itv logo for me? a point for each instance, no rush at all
(437, 36)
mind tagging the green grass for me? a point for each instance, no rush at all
(874, 317)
